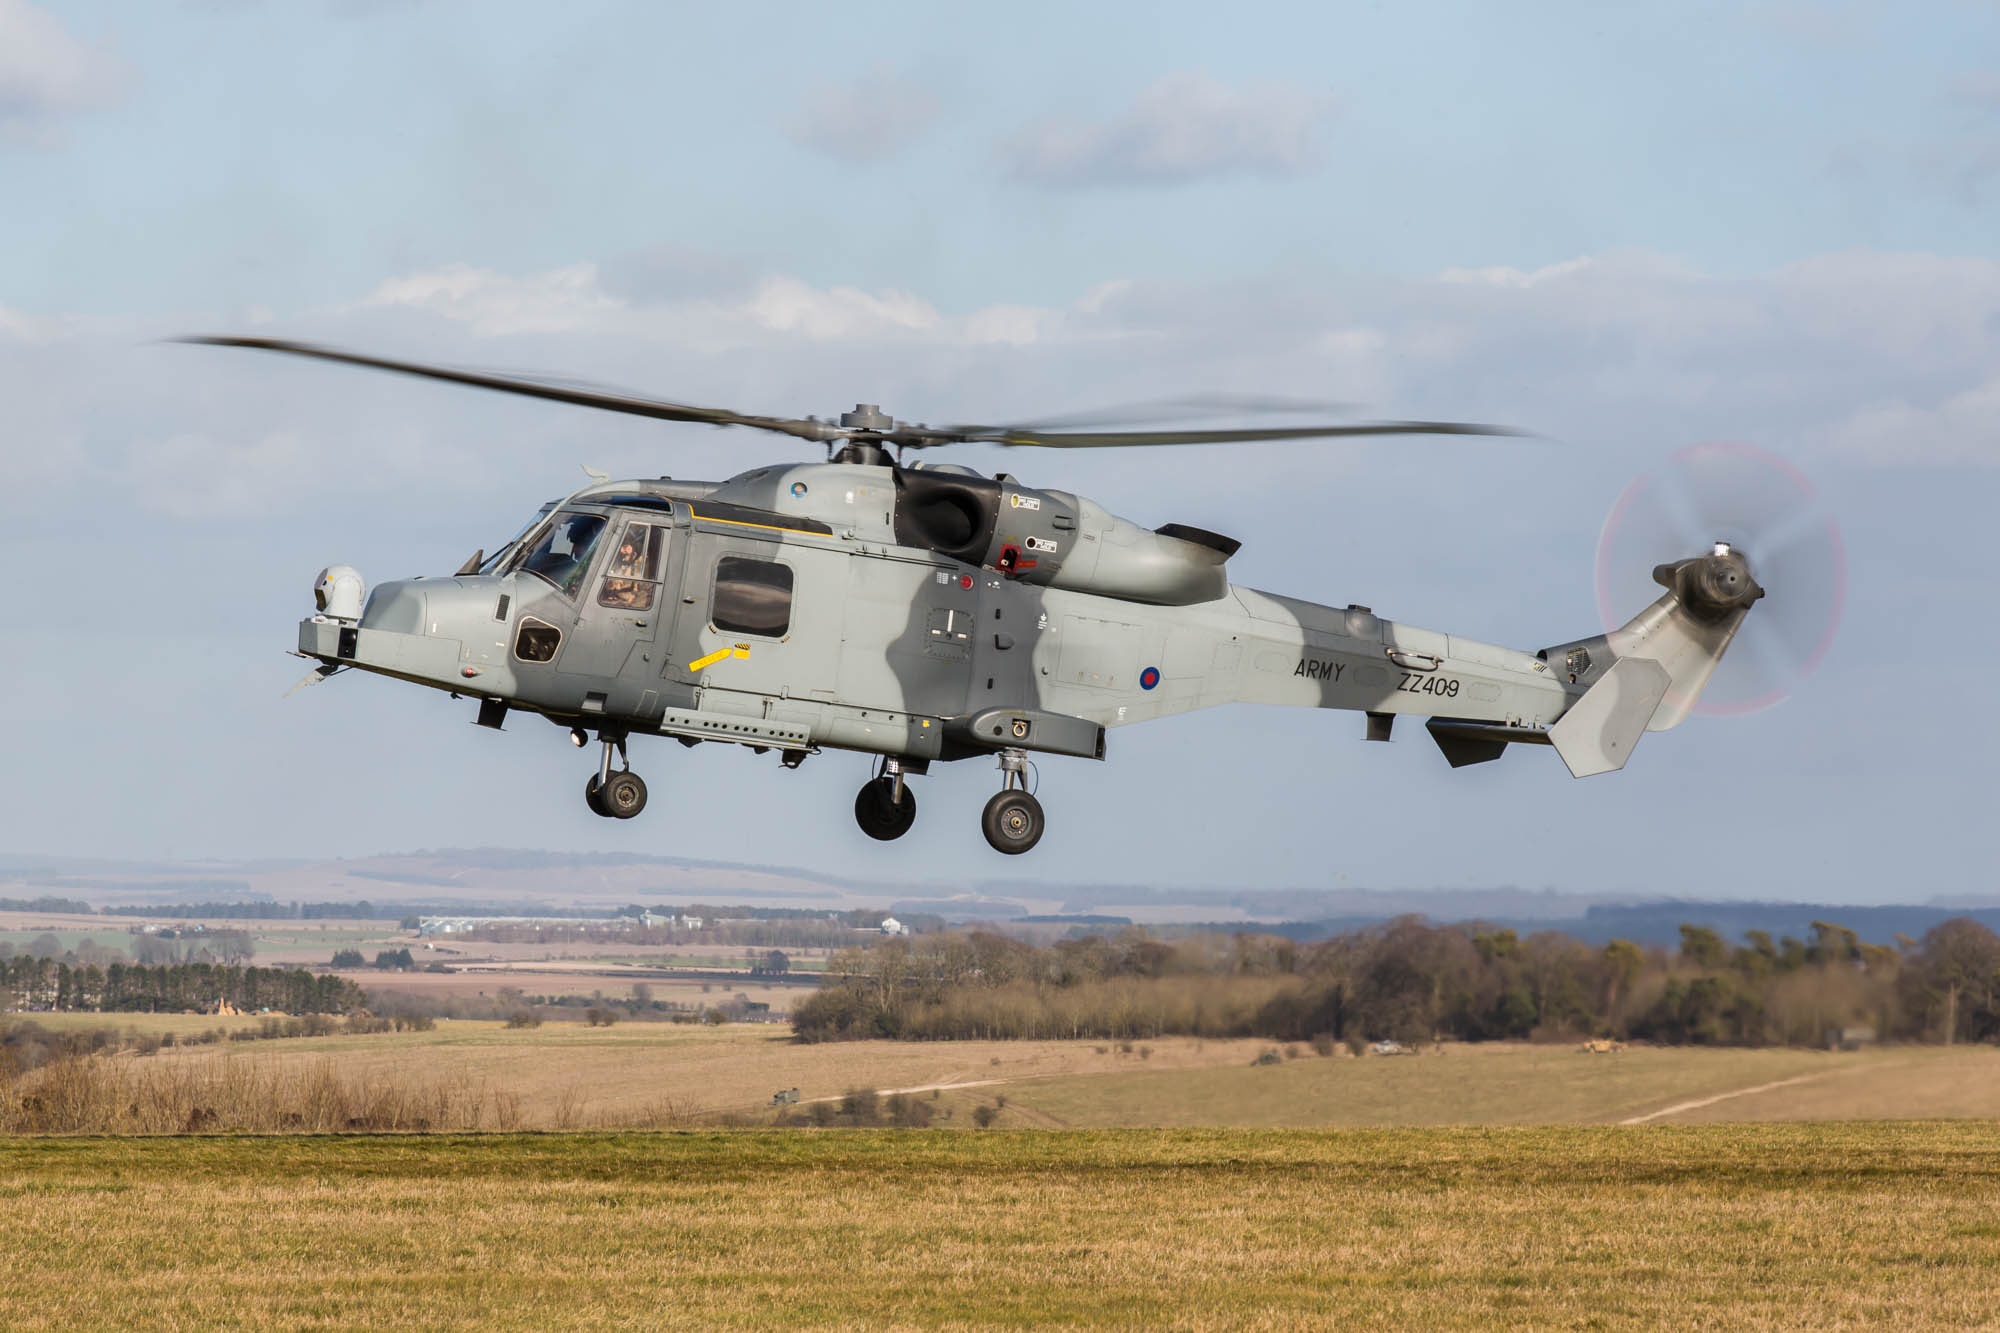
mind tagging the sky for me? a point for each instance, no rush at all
(1627, 229)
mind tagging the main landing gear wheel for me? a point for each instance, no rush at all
(621, 796)
(592, 799)
(1012, 822)
(881, 816)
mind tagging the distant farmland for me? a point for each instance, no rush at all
(565, 1075)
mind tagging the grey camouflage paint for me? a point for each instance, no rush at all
(902, 652)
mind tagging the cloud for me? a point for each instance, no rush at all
(1857, 359)
(1964, 427)
(560, 300)
(46, 75)
(868, 120)
(574, 300)
(1186, 127)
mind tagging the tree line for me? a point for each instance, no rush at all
(52, 905)
(253, 911)
(1413, 981)
(51, 984)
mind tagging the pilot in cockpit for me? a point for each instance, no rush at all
(623, 583)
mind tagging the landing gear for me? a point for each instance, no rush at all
(623, 796)
(615, 795)
(885, 807)
(1012, 820)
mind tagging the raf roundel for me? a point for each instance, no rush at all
(1149, 678)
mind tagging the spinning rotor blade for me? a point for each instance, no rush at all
(609, 400)
(1012, 436)
(1763, 507)
(869, 427)
(1182, 409)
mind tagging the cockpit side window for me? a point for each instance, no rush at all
(631, 580)
(562, 556)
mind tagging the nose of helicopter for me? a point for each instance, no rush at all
(445, 632)
(396, 606)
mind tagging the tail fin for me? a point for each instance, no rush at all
(1647, 674)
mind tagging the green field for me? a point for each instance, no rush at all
(1861, 1225)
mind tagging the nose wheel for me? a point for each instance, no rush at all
(885, 807)
(614, 795)
(1012, 820)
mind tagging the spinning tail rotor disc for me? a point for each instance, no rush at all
(1762, 506)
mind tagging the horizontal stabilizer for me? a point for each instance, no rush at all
(1597, 734)
(1466, 741)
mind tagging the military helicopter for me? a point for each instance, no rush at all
(926, 613)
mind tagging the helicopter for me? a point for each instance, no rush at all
(926, 613)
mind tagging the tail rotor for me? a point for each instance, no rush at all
(1758, 517)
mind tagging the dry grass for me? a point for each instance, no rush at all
(181, 1025)
(618, 1075)
(1501, 1084)
(567, 1075)
(1766, 1226)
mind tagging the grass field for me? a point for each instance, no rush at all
(565, 1075)
(1506, 1084)
(1864, 1225)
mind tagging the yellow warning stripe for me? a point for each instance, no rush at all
(739, 523)
(735, 650)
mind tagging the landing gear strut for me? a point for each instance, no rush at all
(1012, 820)
(618, 795)
(885, 807)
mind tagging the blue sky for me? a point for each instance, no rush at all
(1631, 228)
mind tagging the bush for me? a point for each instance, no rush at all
(984, 1116)
(1270, 1055)
(1323, 1044)
(349, 958)
(600, 1018)
(906, 1112)
(524, 1018)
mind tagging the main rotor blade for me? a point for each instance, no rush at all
(577, 396)
(1193, 407)
(1019, 436)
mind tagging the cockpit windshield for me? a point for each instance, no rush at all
(562, 556)
(493, 563)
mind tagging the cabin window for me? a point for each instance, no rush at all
(752, 597)
(537, 641)
(631, 580)
(562, 556)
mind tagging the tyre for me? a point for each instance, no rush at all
(591, 798)
(878, 812)
(1012, 822)
(624, 795)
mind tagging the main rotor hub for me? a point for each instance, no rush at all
(867, 416)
